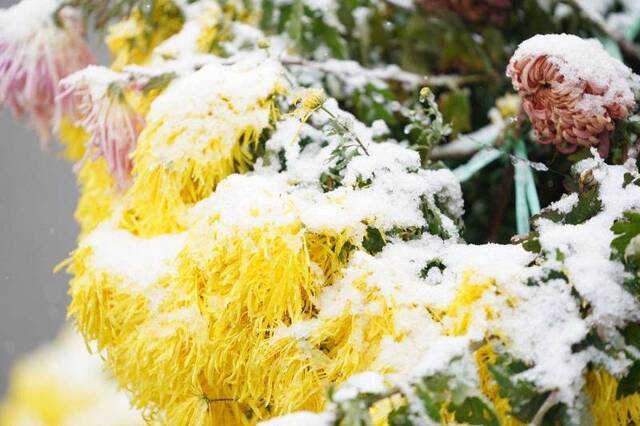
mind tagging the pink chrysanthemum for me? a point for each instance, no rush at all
(572, 90)
(35, 53)
(95, 100)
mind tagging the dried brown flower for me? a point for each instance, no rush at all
(572, 90)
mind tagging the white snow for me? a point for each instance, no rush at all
(141, 261)
(367, 382)
(27, 17)
(305, 418)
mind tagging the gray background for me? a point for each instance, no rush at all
(37, 231)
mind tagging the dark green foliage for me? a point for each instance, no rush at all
(532, 245)
(332, 177)
(345, 252)
(557, 415)
(434, 221)
(355, 412)
(456, 109)
(588, 206)
(630, 383)
(399, 417)
(305, 27)
(524, 398)
(626, 229)
(433, 263)
(631, 335)
(474, 411)
(591, 340)
(427, 126)
(470, 408)
(373, 242)
(371, 104)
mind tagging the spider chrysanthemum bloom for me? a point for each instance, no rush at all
(37, 49)
(476, 11)
(98, 104)
(202, 128)
(572, 90)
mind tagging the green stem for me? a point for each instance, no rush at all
(343, 127)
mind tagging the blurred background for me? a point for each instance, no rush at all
(37, 231)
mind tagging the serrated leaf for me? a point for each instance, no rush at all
(588, 205)
(627, 228)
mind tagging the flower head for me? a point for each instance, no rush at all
(476, 11)
(308, 101)
(507, 108)
(97, 102)
(572, 90)
(36, 51)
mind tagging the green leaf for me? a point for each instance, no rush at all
(331, 38)
(524, 398)
(557, 415)
(475, 412)
(159, 82)
(433, 263)
(456, 109)
(532, 245)
(441, 388)
(399, 417)
(630, 384)
(627, 228)
(372, 104)
(433, 219)
(587, 207)
(373, 242)
(434, 392)
(631, 335)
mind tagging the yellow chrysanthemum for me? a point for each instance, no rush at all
(132, 40)
(200, 130)
(213, 339)
(607, 408)
(61, 384)
(98, 194)
(73, 139)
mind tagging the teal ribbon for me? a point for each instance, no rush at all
(527, 201)
(479, 160)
